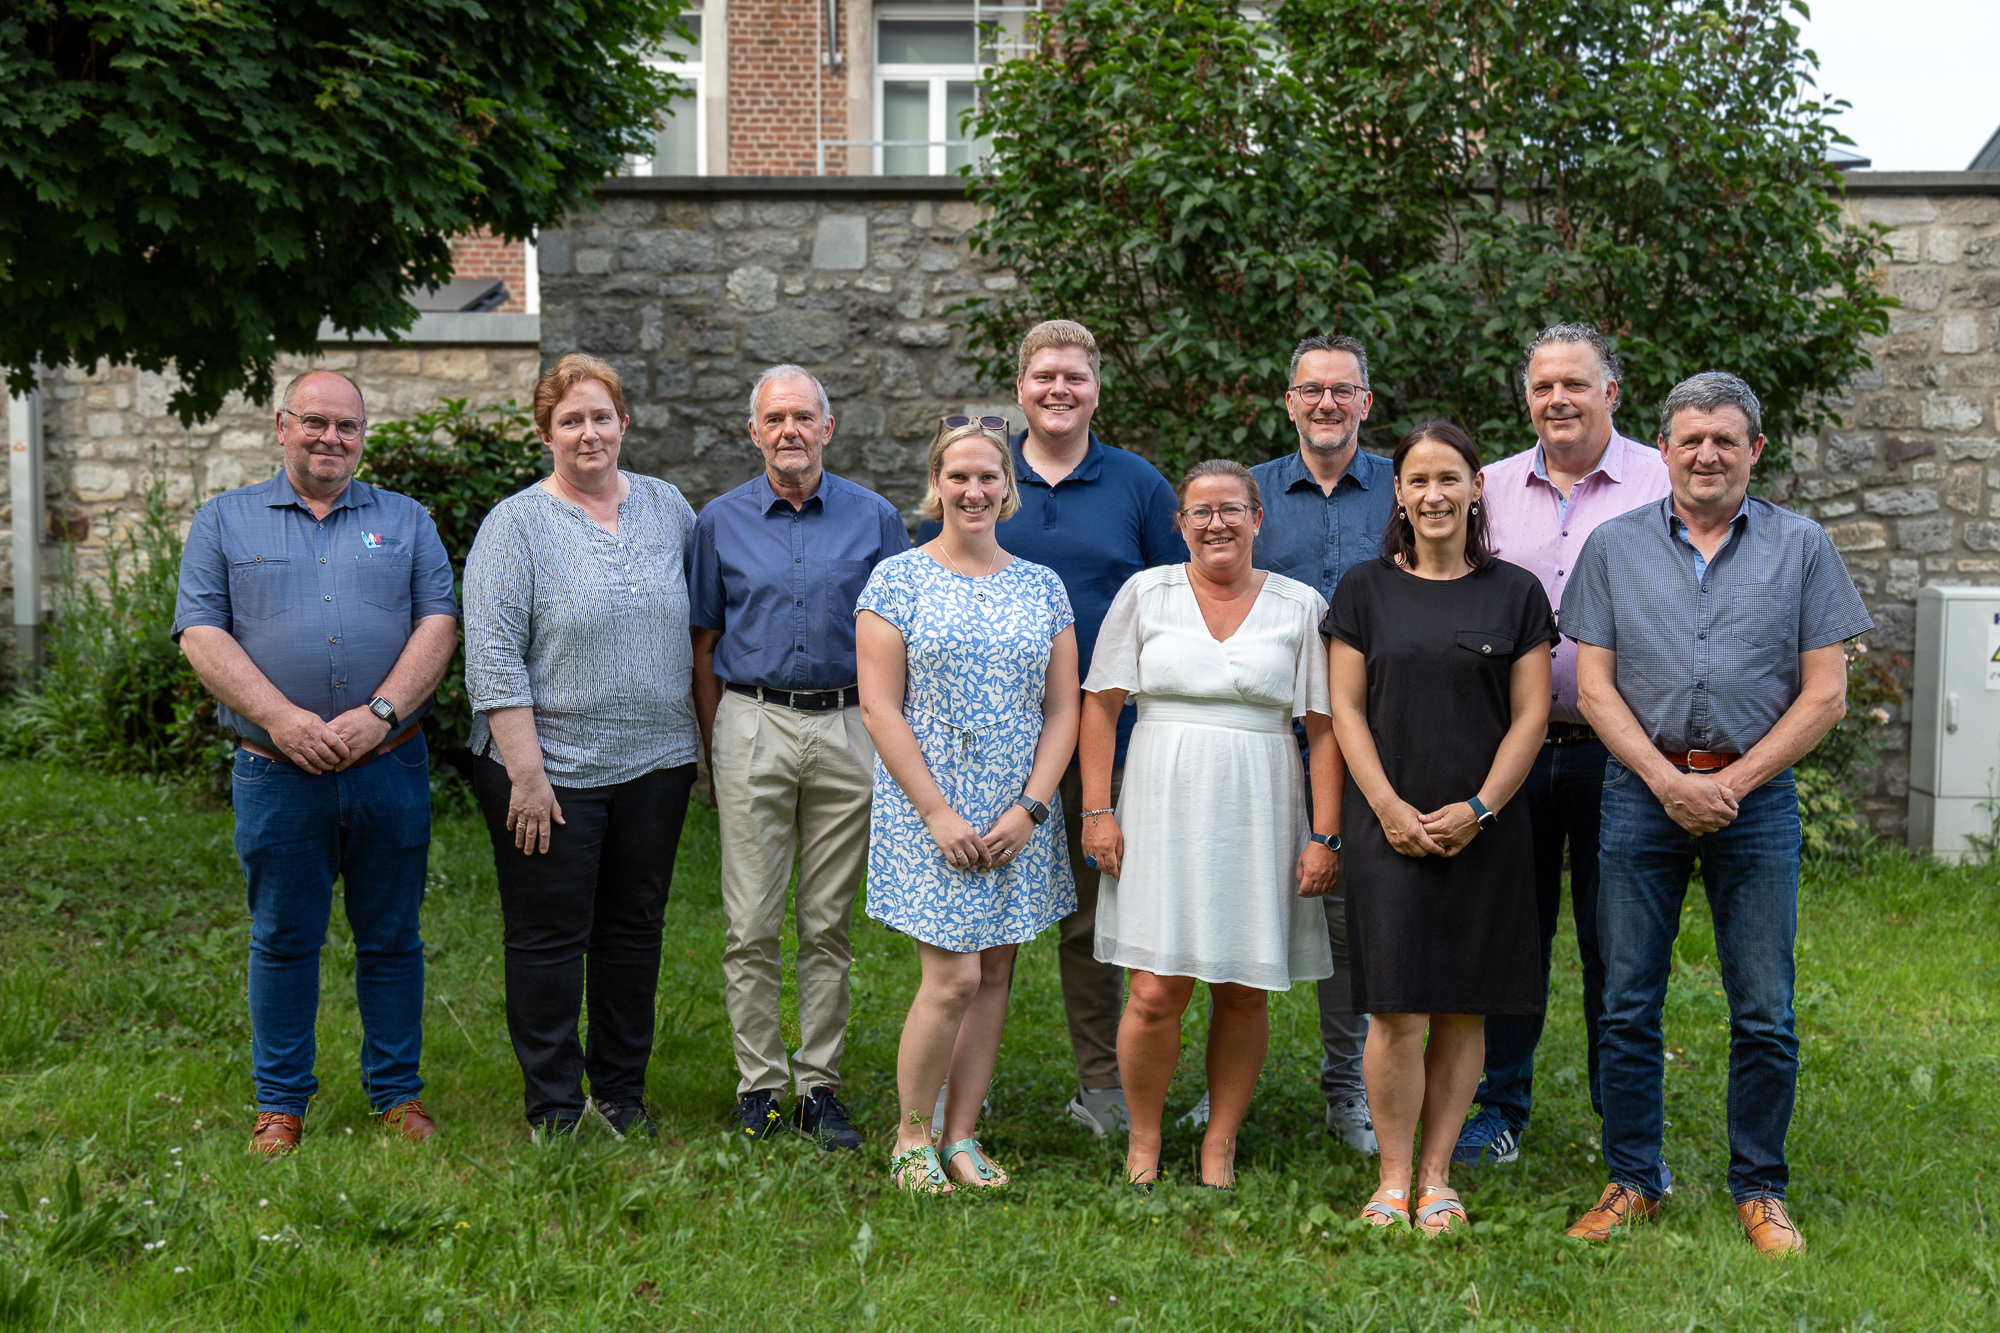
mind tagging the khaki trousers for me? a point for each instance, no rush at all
(1093, 992)
(789, 783)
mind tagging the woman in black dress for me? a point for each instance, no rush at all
(1440, 672)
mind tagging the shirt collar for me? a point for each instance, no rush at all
(1611, 463)
(766, 497)
(1087, 469)
(283, 496)
(1676, 525)
(1294, 473)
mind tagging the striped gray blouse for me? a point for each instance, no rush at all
(588, 629)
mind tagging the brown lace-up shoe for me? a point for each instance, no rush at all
(411, 1120)
(275, 1134)
(1621, 1206)
(1770, 1227)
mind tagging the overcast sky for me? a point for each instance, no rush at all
(1921, 75)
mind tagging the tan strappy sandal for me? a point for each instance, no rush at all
(1387, 1209)
(1435, 1218)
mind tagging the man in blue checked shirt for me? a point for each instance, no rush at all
(318, 610)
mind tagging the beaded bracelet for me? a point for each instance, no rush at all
(1092, 814)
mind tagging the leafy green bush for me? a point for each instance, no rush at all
(1440, 177)
(1829, 776)
(115, 694)
(458, 462)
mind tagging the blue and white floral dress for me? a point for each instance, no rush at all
(978, 652)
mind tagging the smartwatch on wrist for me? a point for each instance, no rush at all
(1330, 841)
(1487, 819)
(385, 710)
(1036, 810)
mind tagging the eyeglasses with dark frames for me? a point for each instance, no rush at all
(990, 423)
(347, 429)
(1232, 514)
(1344, 395)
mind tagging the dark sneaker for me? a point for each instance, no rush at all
(821, 1118)
(757, 1116)
(1488, 1138)
(622, 1120)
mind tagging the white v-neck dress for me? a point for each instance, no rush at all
(1214, 806)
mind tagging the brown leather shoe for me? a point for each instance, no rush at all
(275, 1134)
(411, 1120)
(1770, 1227)
(1621, 1206)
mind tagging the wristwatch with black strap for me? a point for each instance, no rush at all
(385, 710)
(1036, 810)
(1330, 841)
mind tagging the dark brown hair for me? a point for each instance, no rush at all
(1218, 467)
(1399, 538)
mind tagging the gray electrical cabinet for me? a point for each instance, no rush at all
(1955, 720)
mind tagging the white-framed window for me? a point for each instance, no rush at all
(680, 146)
(926, 78)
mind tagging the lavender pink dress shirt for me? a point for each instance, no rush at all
(1533, 526)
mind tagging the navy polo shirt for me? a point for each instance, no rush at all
(780, 583)
(1108, 519)
(322, 607)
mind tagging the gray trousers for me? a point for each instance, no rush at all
(1342, 1032)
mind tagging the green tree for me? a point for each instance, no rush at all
(200, 182)
(1472, 170)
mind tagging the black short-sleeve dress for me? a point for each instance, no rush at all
(1440, 934)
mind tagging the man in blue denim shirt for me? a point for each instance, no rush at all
(1710, 631)
(1325, 506)
(318, 610)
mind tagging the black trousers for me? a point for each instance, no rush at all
(585, 918)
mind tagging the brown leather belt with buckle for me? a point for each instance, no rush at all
(1702, 761)
(804, 701)
(1569, 733)
(373, 755)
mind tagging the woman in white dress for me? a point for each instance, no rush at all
(1210, 866)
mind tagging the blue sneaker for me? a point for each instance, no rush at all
(1488, 1138)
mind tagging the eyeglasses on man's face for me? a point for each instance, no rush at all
(1344, 395)
(1232, 514)
(346, 428)
(990, 423)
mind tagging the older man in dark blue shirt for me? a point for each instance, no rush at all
(1325, 506)
(773, 573)
(318, 611)
(1096, 515)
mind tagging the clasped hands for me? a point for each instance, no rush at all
(963, 849)
(1443, 832)
(1698, 802)
(328, 747)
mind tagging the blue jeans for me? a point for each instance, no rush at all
(1750, 869)
(295, 832)
(1561, 796)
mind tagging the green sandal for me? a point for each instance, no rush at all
(920, 1172)
(990, 1176)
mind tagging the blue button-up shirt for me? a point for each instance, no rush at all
(780, 583)
(1111, 517)
(322, 607)
(1314, 537)
(1708, 650)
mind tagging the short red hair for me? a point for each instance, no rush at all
(565, 375)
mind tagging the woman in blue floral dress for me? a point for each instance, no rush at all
(967, 664)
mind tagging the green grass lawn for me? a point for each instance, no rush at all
(125, 1101)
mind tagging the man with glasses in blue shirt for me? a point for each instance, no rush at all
(318, 611)
(1325, 506)
(1096, 515)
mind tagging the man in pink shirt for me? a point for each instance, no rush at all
(1541, 504)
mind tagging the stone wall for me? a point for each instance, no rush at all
(692, 288)
(105, 428)
(1909, 486)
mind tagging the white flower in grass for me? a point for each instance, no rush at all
(179, 1268)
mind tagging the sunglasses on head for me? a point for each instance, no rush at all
(990, 423)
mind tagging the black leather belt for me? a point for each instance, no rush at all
(1569, 733)
(805, 701)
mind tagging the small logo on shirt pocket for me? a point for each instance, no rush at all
(376, 541)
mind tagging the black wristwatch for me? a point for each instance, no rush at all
(1036, 810)
(1487, 819)
(385, 710)
(1330, 841)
